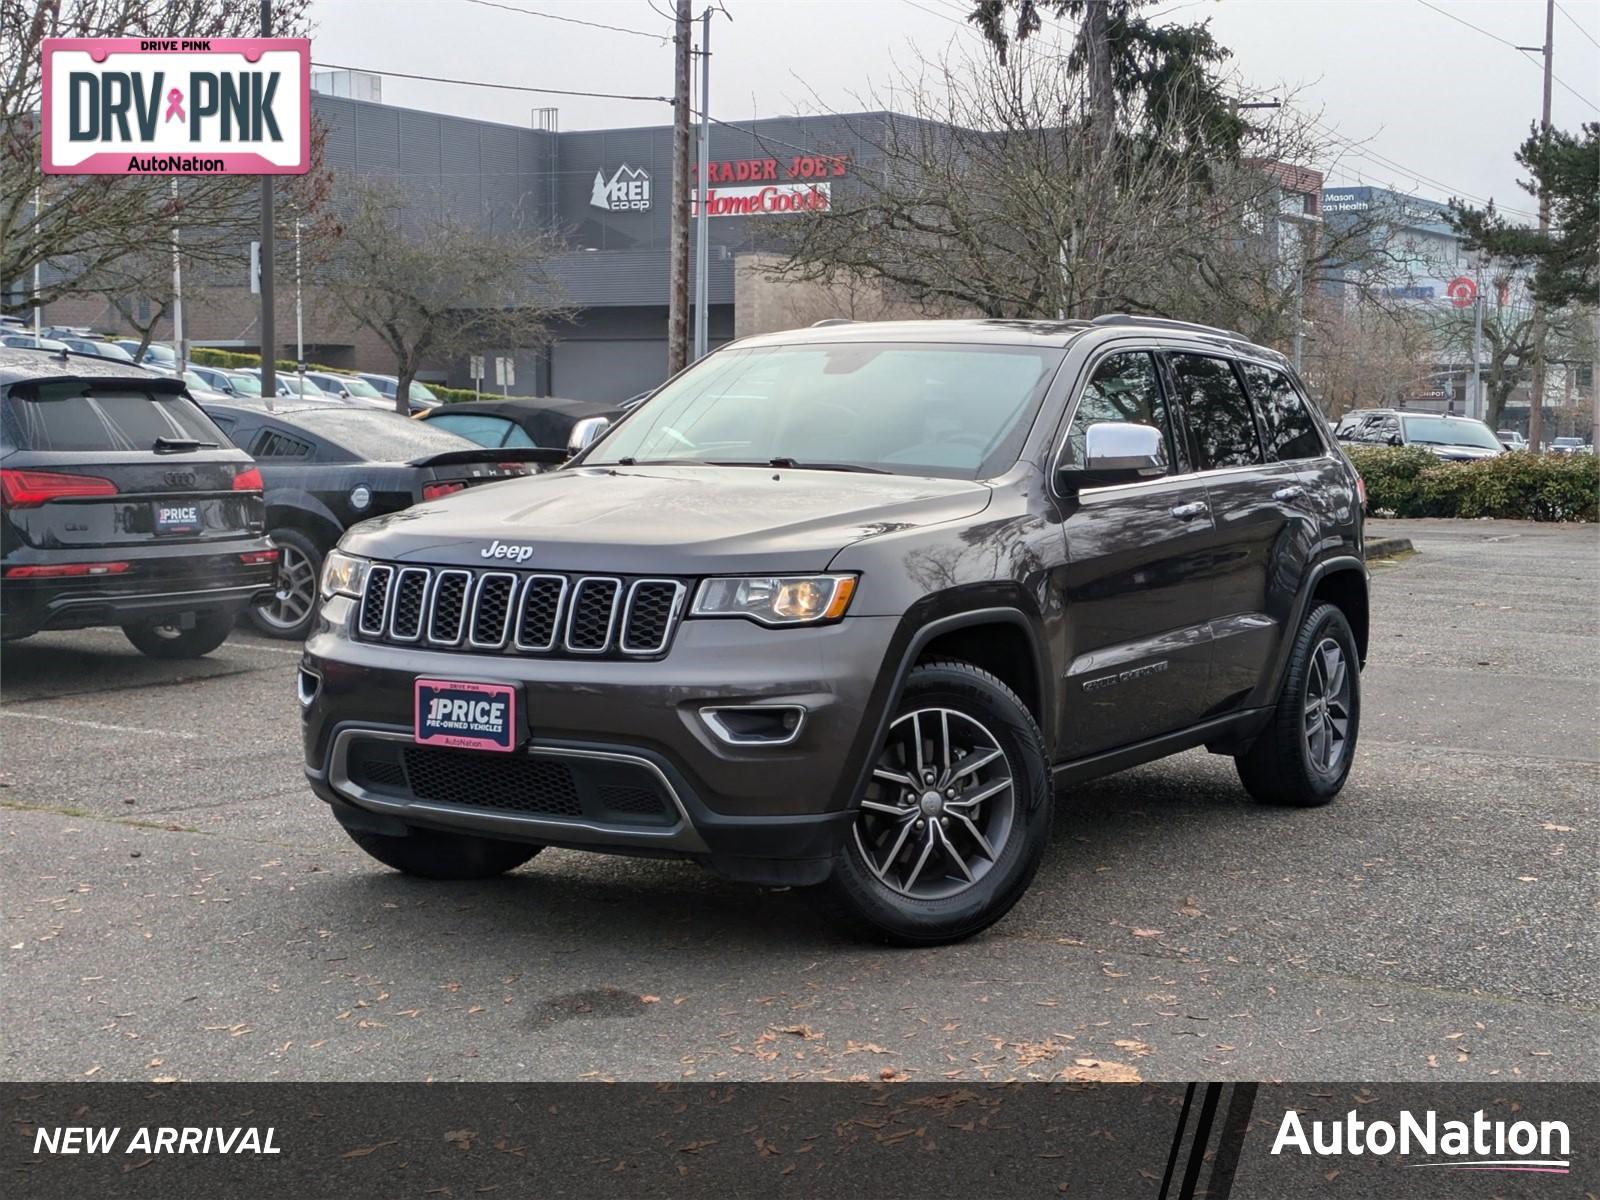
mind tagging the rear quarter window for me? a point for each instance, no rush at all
(74, 417)
(1291, 429)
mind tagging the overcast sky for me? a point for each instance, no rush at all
(1435, 108)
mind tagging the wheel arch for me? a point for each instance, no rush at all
(917, 634)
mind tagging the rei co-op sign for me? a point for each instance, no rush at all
(170, 106)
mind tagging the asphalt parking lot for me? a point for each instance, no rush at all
(178, 906)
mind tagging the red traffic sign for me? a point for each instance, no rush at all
(1462, 291)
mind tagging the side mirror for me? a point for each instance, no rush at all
(1116, 452)
(1396, 440)
(585, 433)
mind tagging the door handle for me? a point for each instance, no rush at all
(1188, 512)
(1292, 492)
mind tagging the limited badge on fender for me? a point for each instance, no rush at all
(468, 716)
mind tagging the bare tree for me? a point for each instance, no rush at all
(992, 194)
(431, 284)
(87, 225)
(1366, 355)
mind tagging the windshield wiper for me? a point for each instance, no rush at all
(167, 445)
(796, 465)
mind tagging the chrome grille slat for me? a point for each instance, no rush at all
(642, 615)
(485, 598)
(408, 604)
(516, 612)
(452, 588)
(531, 608)
(583, 615)
(373, 616)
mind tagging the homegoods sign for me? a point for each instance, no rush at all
(764, 199)
(177, 106)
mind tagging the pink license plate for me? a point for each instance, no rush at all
(467, 716)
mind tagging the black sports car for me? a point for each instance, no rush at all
(325, 468)
(549, 422)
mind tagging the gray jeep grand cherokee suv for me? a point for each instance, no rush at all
(846, 605)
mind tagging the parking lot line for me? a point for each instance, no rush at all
(101, 725)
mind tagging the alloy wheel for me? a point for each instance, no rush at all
(1327, 712)
(296, 593)
(940, 807)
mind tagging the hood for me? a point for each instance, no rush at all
(1463, 453)
(666, 520)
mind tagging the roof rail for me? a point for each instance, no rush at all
(1165, 323)
(832, 321)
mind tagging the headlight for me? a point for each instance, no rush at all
(776, 599)
(343, 574)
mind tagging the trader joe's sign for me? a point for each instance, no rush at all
(170, 106)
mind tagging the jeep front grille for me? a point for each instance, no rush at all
(520, 612)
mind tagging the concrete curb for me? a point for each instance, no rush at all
(1388, 547)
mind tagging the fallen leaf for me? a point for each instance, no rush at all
(363, 1151)
(462, 1139)
(1147, 933)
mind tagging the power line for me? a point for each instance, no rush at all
(1563, 10)
(503, 87)
(529, 12)
(1496, 37)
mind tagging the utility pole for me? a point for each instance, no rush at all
(678, 276)
(702, 247)
(1480, 410)
(1536, 401)
(269, 335)
(299, 317)
(179, 349)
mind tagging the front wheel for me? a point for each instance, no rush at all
(166, 637)
(1303, 756)
(955, 817)
(435, 855)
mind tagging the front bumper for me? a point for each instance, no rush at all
(598, 730)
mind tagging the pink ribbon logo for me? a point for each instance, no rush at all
(175, 105)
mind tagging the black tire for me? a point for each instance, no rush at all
(436, 855)
(163, 637)
(1282, 766)
(867, 902)
(300, 554)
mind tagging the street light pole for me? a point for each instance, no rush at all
(269, 334)
(38, 309)
(177, 290)
(678, 238)
(299, 323)
(702, 249)
(1536, 401)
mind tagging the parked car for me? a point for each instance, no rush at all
(289, 384)
(327, 466)
(155, 354)
(97, 348)
(1511, 439)
(564, 424)
(122, 504)
(419, 397)
(1452, 438)
(352, 389)
(845, 605)
(218, 380)
(26, 341)
(1570, 445)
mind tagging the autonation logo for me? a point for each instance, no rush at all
(1476, 1145)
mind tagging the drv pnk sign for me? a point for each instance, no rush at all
(171, 106)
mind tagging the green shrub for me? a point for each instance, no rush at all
(1411, 482)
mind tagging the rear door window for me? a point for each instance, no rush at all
(1220, 417)
(71, 417)
(1291, 429)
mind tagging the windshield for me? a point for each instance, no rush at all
(1437, 431)
(379, 436)
(356, 387)
(957, 411)
(247, 385)
(418, 392)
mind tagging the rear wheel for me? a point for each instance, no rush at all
(1303, 756)
(434, 855)
(955, 817)
(166, 637)
(294, 604)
